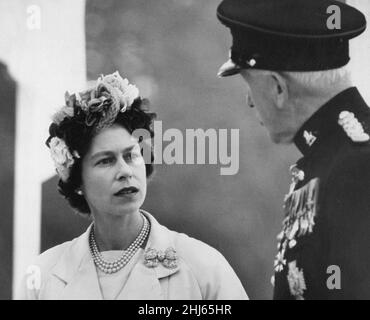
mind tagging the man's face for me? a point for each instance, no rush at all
(262, 91)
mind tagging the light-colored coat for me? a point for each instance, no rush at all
(67, 271)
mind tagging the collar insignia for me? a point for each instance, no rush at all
(309, 137)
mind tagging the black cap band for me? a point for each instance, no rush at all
(253, 50)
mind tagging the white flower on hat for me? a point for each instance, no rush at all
(64, 112)
(127, 99)
(122, 89)
(63, 159)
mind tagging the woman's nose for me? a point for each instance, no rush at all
(124, 171)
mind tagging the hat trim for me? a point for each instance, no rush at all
(353, 33)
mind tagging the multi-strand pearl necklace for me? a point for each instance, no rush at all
(114, 266)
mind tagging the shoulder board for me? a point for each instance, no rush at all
(352, 127)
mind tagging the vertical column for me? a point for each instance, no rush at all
(45, 52)
(7, 145)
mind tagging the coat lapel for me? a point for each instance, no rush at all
(142, 284)
(85, 284)
(76, 268)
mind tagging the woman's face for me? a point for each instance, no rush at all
(114, 173)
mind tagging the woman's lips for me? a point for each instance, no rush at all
(127, 191)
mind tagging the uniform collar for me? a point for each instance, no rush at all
(324, 122)
(76, 268)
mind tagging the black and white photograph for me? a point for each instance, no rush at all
(213, 150)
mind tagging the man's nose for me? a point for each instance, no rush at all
(124, 171)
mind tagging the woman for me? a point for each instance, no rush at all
(125, 253)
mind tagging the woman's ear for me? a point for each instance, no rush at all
(281, 89)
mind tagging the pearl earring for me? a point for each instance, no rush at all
(79, 192)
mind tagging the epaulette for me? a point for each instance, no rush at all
(352, 127)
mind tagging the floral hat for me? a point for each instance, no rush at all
(96, 108)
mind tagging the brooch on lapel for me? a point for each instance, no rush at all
(352, 127)
(297, 284)
(153, 257)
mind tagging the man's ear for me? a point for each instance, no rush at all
(281, 89)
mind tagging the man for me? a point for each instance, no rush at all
(293, 63)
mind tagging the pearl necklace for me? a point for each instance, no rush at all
(114, 266)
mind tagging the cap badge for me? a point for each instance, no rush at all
(309, 137)
(352, 127)
(252, 62)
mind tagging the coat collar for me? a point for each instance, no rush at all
(76, 268)
(323, 124)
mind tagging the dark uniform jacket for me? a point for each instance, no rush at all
(324, 248)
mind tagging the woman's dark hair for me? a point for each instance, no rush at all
(78, 137)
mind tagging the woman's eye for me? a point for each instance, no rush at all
(135, 154)
(132, 156)
(105, 161)
(129, 157)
